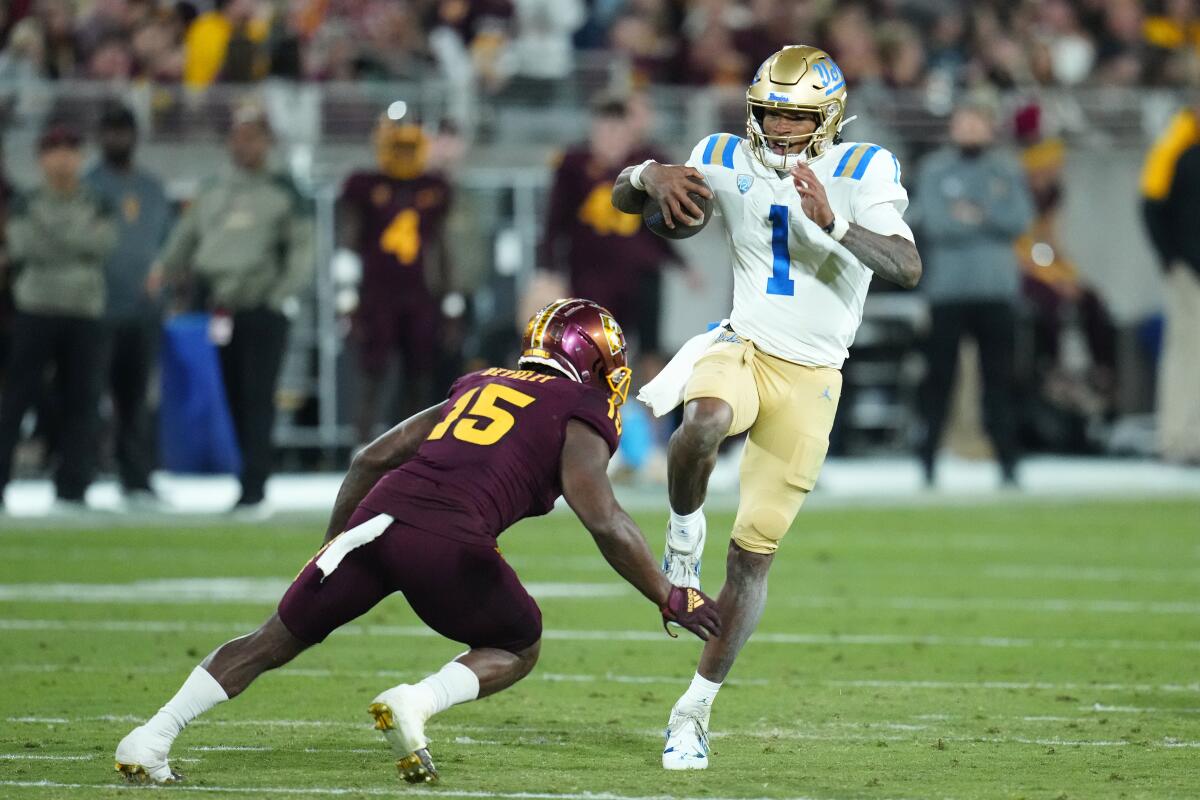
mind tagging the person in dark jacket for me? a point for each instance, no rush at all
(143, 216)
(972, 204)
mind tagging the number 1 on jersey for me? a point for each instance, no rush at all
(780, 282)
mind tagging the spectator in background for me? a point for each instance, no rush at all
(391, 223)
(608, 256)
(56, 18)
(143, 216)
(228, 43)
(541, 54)
(246, 245)
(24, 60)
(972, 203)
(1171, 207)
(59, 237)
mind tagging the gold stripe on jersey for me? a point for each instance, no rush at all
(852, 164)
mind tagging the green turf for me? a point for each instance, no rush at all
(1003, 651)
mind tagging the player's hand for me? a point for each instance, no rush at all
(669, 184)
(692, 609)
(812, 195)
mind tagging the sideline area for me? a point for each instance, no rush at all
(844, 482)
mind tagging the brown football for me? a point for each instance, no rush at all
(653, 217)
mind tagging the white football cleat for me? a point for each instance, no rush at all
(401, 713)
(681, 558)
(687, 740)
(142, 758)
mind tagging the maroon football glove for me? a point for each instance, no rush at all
(691, 609)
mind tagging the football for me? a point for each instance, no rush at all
(653, 217)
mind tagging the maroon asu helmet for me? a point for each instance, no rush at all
(581, 340)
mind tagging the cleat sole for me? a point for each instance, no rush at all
(136, 774)
(417, 767)
(414, 767)
(133, 773)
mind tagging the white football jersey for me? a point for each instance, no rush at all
(792, 300)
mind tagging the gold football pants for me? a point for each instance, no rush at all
(788, 409)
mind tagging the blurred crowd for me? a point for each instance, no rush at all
(916, 44)
(91, 258)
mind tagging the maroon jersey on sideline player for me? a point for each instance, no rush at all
(399, 218)
(605, 250)
(491, 460)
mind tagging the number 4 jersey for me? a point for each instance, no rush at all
(791, 300)
(398, 220)
(495, 455)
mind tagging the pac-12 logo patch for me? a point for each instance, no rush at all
(744, 182)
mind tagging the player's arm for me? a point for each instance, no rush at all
(891, 257)
(587, 490)
(377, 459)
(669, 184)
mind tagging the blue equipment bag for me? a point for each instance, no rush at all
(195, 429)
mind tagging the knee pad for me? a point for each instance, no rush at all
(760, 527)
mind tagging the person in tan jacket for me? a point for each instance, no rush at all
(59, 237)
(245, 248)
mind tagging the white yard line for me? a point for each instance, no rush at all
(242, 590)
(1069, 572)
(1138, 709)
(391, 674)
(39, 757)
(1037, 685)
(226, 590)
(1047, 605)
(842, 640)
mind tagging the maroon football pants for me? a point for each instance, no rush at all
(465, 592)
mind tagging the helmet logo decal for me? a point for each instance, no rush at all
(831, 77)
(780, 98)
(612, 332)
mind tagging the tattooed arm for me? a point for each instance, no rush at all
(893, 258)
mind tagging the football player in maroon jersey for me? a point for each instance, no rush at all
(419, 513)
(390, 225)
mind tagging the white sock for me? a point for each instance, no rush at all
(453, 684)
(685, 528)
(199, 693)
(700, 694)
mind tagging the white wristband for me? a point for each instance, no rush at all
(840, 226)
(635, 177)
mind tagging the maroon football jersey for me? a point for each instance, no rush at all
(398, 221)
(584, 230)
(494, 458)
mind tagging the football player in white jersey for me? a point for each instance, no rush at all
(787, 194)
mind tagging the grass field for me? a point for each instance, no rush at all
(1002, 651)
